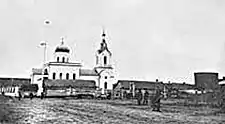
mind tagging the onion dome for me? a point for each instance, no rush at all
(62, 48)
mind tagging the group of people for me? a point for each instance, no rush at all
(144, 98)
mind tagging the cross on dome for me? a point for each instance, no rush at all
(62, 47)
(62, 40)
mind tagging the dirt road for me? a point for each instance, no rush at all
(60, 111)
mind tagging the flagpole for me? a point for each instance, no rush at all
(45, 53)
(47, 22)
(44, 44)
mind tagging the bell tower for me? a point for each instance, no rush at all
(104, 67)
(103, 55)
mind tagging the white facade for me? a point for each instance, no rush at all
(61, 57)
(63, 71)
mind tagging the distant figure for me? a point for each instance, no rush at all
(20, 96)
(42, 95)
(109, 95)
(146, 96)
(31, 96)
(156, 100)
(3, 93)
(139, 97)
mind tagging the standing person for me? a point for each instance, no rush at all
(156, 100)
(42, 95)
(31, 96)
(20, 96)
(146, 95)
(3, 93)
(139, 97)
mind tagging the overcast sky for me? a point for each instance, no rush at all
(149, 39)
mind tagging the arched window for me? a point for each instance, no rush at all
(67, 76)
(10, 89)
(63, 59)
(53, 76)
(105, 60)
(105, 85)
(74, 76)
(60, 76)
(57, 59)
(14, 89)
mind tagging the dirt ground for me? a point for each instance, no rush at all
(61, 111)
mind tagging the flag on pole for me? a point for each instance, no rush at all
(43, 43)
(47, 22)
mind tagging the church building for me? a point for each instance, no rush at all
(62, 69)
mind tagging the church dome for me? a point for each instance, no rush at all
(62, 48)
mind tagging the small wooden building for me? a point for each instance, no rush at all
(128, 88)
(10, 86)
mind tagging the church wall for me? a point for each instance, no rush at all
(60, 55)
(106, 79)
(64, 70)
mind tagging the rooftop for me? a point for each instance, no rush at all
(88, 72)
(14, 81)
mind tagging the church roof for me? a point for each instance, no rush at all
(64, 64)
(103, 48)
(88, 72)
(104, 45)
(55, 84)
